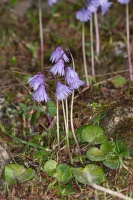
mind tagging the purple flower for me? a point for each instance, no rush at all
(51, 2)
(62, 91)
(58, 68)
(83, 15)
(105, 5)
(36, 81)
(40, 94)
(92, 5)
(58, 54)
(123, 1)
(72, 78)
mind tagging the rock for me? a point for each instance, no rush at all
(4, 159)
(118, 122)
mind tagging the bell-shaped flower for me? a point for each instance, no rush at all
(40, 94)
(36, 80)
(72, 79)
(58, 68)
(92, 5)
(51, 2)
(105, 5)
(57, 54)
(83, 15)
(62, 91)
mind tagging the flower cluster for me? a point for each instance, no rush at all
(38, 84)
(60, 68)
(92, 6)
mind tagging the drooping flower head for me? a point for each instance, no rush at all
(83, 15)
(40, 94)
(57, 54)
(123, 1)
(58, 68)
(72, 78)
(62, 91)
(92, 5)
(36, 80)
(51, 2)
(105, 5)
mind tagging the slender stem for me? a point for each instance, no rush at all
(97, 34)
(84, 54)
(71, 115)
(65, 114)
(72, 125)
(41, 36)
(58, 133)
(92, 49)
(128, 44)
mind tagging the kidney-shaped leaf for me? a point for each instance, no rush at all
(108, 148)
(79, 175)
(63, 173)
(13, 173)
(50, 167)
(90, 133)
(112, 161)
(94, 173)
(95, 154)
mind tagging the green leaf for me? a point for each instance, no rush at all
(35, 117)
(94, 154)
(23, 107)
(112, 161)
(98, 117)
(121, 148)
(91, 134)
(100, 139)
(108, 148)
(50, 167)
(65, 190)
(118, 81)
(51, 108)
(79, 158)
(63, 173)
(40, 155)
(78, 134)
(79, 175)
(94, 173)
(13, 173)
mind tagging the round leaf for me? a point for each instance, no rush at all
(112, 162)
(50, 167)
(94, 154)
(108, 148)
(79, 175)
(100, 139)
(63, 173)
(15, 173)
(27, 175)
(90, 133)
(94, 173)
